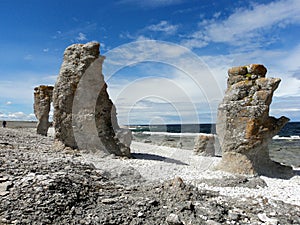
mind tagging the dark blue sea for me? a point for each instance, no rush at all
(291, 129)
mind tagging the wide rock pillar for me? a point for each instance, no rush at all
(42, 104)
(244, 127)
(84, 115)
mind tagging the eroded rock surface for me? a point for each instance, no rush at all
(39, 185)
(83, 112)
(205, 145)
(42, 103)
(244, 126)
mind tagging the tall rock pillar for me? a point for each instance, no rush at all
(244, 127)
(83, 112)
(42, 104)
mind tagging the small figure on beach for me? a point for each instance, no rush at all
(179, 145)
(4, 124)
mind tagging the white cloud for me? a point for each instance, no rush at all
(194, 43)
(287, 106)
(17, 116)
(289, 87)
(290, 58)
(273, 60)
(143, 50)
(8, 103)
(16, 90)
(163, 26)
(81, 37)
(77, 34)
(163, 111)
(217, 14)
(168, 73)
(46, 50)
(243, 23)
(286, 97)
(49, 80)
(142, 38)
(247, 26)
(21, 91)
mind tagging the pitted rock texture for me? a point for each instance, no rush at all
(205, 145)
(42, 103)
(39, 185)
(244, 126)
(84, 115)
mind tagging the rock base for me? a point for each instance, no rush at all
(237, 163)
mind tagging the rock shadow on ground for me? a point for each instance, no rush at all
(147, 156)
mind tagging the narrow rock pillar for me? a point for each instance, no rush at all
(42, 104)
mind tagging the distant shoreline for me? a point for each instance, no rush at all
(169, 128)
(21, 124)
(283, 148)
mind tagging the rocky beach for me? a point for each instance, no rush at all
(41, 184)
(87, 170)
(153, 112)
(285, 150)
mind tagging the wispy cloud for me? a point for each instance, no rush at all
(81, 37)
(22, 90)
(17, 116)
(159, 30)
(17, 95)
(163, 26)
(194, 43)
(49, 80)
(287, 106)
(247, 26)
(28, 57)
(79, 33)
(161, 71)
(288, 93)
(289, 59)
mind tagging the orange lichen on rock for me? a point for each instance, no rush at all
(244, 127)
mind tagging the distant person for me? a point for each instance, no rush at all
(179, 145)
(4, 123)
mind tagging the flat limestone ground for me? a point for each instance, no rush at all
(41, 184)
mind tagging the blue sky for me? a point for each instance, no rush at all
(170, 87)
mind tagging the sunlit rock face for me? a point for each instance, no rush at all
(84, 115)
(42, 104)
(205, 145)
(244, 127)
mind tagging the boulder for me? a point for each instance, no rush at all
(84, 115)
(244, 127)
(124, 136)
(240, 73)
(205, 145)
(42, 104)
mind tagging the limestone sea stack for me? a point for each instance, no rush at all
(42, 104)
(244, 127)
(205, 145)
(84, 115)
